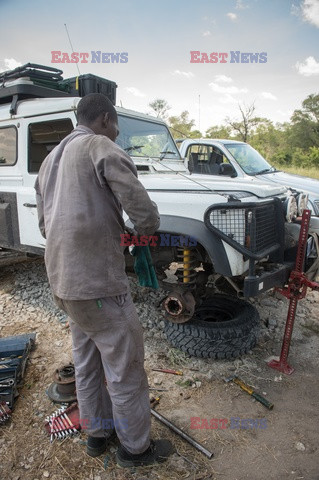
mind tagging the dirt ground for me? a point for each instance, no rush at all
(285, 448)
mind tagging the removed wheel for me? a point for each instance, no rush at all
(222, 327)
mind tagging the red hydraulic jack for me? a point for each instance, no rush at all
(296, 290)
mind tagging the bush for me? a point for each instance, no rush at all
(281, 159)
(308, 158)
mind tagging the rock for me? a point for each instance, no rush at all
(46, 474)
(157, 381)
(269, 302)
(300, 446)
(272, 322)
(278, 379)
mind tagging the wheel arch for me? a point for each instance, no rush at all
(198, 230)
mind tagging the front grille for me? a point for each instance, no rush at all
(253, 229)
(231, 222)
(265, 234)
(317, 206)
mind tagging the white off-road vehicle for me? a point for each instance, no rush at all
(220, 157)
(245, 232)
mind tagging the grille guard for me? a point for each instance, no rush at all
(257, 218)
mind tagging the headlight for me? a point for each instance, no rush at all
(291, 209)
(302, 202)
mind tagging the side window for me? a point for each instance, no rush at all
(8, 146)
(43, 137)
(205, 159)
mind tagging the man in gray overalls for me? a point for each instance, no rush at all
(81, 189)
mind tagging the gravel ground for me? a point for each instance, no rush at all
(287, 449)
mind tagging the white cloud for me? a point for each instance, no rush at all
(310, 11)
(135, 91)
(223, 79)
(9, 64)
(231, 90)
(183, 74)
(268, 96)
(232, 16)
(228, 99)
(206, 34)
(309, 67)
(240, 5)
(295, 10)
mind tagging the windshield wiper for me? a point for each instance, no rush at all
(166, 152)
(266, 170)
(134, 147)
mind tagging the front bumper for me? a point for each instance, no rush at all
(256, 284)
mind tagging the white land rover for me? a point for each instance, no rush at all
(246, 234)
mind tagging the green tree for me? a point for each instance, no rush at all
(160, 107)
(181, 126)
(304, 131)
(218, 131)
(243, 128)
(270, 141)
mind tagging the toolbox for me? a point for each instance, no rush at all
(88, 83)
(14, 352)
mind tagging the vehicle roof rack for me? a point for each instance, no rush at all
(39, 81)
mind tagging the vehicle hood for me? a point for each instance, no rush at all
(304, 184)
(204, 183)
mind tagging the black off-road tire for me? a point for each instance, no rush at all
(222, 327)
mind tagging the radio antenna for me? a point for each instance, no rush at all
(67, 32)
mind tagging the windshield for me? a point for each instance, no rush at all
(249, 159)
(141, 138)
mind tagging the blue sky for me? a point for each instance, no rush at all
(159, 36)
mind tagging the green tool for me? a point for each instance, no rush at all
(250, 391)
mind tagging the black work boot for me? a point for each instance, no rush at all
(157, 452)
(97, 445)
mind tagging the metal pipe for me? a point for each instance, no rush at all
(180, 432)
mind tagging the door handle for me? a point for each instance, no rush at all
(30, 205)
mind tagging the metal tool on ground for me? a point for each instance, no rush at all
(155, 401)
(250, 391)
(5, 412)
(182, 434)
(296, 290)
(167, 370)
(63, 423)
(158, 389)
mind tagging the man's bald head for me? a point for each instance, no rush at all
(97, 112)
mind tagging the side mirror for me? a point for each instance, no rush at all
(227, 169)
